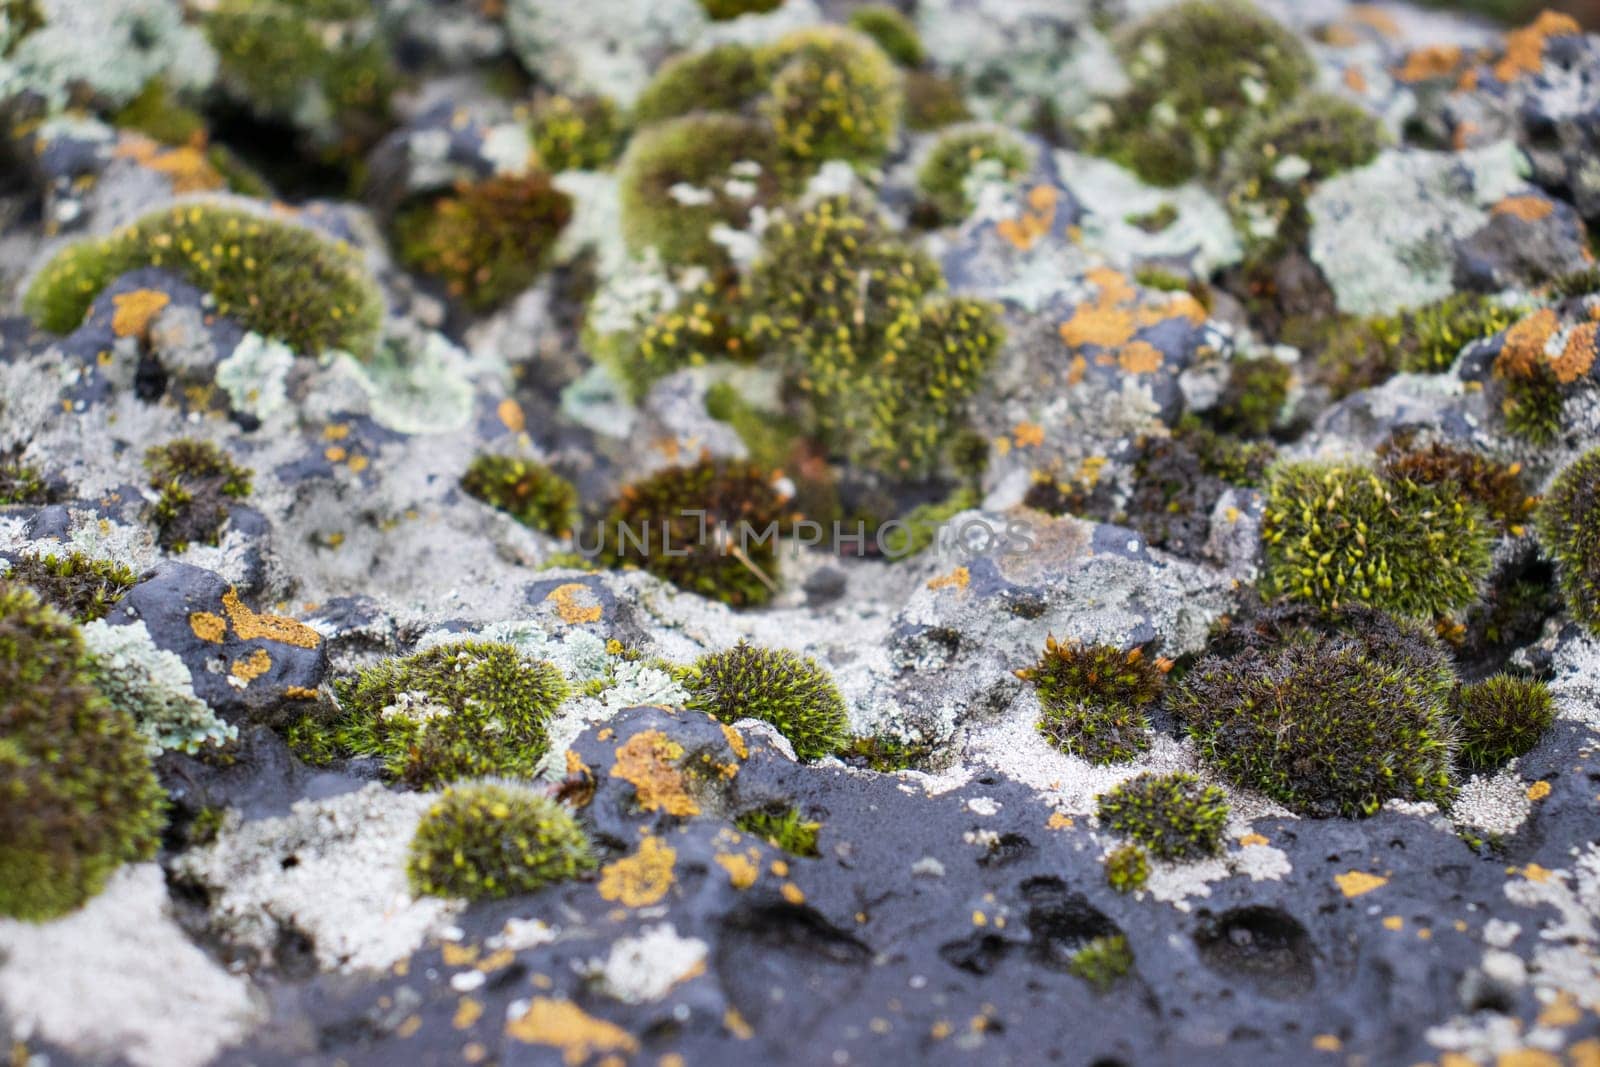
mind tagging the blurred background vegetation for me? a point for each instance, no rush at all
(1515, 11)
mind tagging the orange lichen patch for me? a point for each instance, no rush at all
(735, 741)
(1327, 1043)
(1024, 231)
(743, 867)
(1562, 1011)
(646, 761)
(409, 1026)
(956, 579)
(1252, 839)
(454, 955)
(1355, 883)
(561, 1024)
(1533, 872)
(1340, 35)
(568, 605)
(1430, 61)
(1577, 355)
(1058, 821)
(511, 415)
(249, 625)
(1376, 17)
(248, 668)
(1027, 434)
(334, 453)
(575, 765)
(1526, 208)
(469, 1011)
(1525, 47)
(639, 880)
(792, 893)
(1139, 357)
(734, 1023)
(1098, 324)
(299, 692)
(1354, 80)
(1538, 790)
(1524, 345)
(497, 961)
(1527, 1057)
(1183, 304)
(186, 167)
(1393, 922)
(208, 627)
(135, 310)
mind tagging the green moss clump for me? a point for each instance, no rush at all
(577, 133)
(962, 153)
(1127, 869)
(726, 77)
(157, 115)
(922, 523)
(1253, 398)
(1501, 718)
(488, 240)
(788, 830)
(82, 588)
(459, 710)
(887, 754)
(1102, 961)
(1532, 406)
(793, 693)
(932, 101)
(196, 480)
(278, 279)
(893, 32)
(851, 314)
(77, 796)
(290, 59)
(723, 10)
(1093, 698)
(703, 527)
(834, 94)
(682, 177)
(1569, 527)
(1276, 162)
(529, 492)
(1172, 815)
(1336, 534)
(1328, 721)
(1198, 71)
(21, 483)
(1497, 486)
(1433, 336)
(706, 326)
(1581, 282)
(495, 839)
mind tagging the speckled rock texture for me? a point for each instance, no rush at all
(1145, 362)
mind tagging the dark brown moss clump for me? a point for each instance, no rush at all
(82, 588)
(488, 240)
(708, 527)
(196, 480)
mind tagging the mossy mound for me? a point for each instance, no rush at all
(495, 839)
(488, 240)
(459, 710)
(793, 693)
(1345, 534)
(77, 796)
(1331, 719)
(277, 278)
